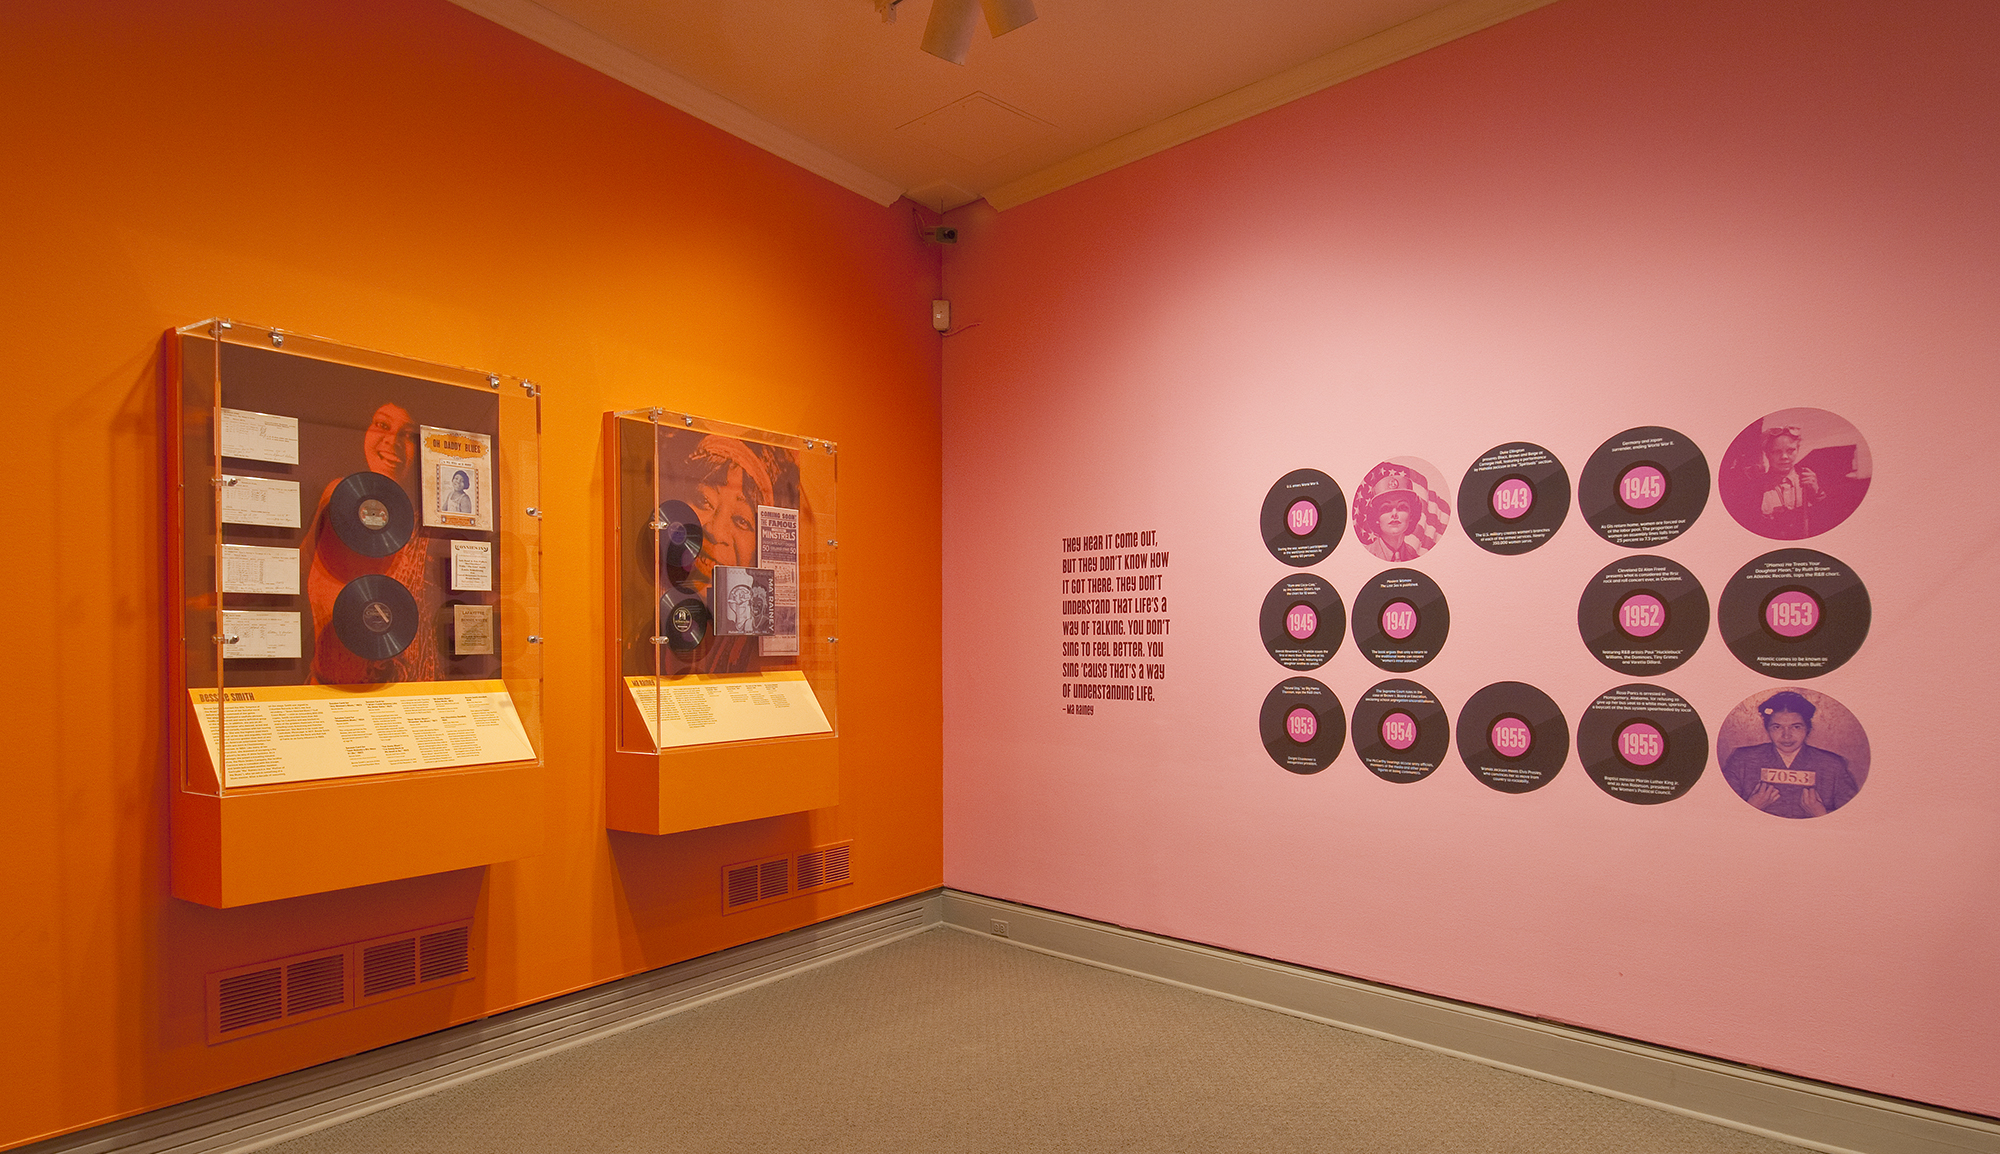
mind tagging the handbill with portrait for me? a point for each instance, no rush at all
(743, 600)
(458, 479)
(778, 551)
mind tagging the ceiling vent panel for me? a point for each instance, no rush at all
(978, 129)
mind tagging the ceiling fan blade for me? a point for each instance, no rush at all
(1003, 16)
(948, 34)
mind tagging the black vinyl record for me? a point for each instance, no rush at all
(1643, 615)
(371, 514)
(375, 617)
(1302, 724)
(1643, 487)
(1400, 620)
(1400, 731)
(1302, 622)
(1513, 498)
(1642, 744)
(684, 622)
(1303, 516)
(1794, 614)
(1512, 737)
(676, 537)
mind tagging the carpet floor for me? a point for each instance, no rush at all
(953, 1041)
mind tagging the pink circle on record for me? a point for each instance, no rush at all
(1301, 725)
(1399, 730)
(1642, 487)
(1512, 499)
(1792, 613)
(1302, 518)
(1301, 622)
(1641, 743)
(1399, 619)
(1511, 737)
(1642, 615)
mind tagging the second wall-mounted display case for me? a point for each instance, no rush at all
(722, 587)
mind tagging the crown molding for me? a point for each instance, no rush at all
(1363, 56)
(586, 47)
(622, 64)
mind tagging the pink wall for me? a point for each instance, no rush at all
(1596, 216)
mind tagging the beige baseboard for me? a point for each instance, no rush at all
(1796, 1110)
(1810, 1114)
(276, 1109)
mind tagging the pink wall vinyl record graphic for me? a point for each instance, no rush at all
(1642, 744)
(1302, 621)
(1302, 725)
(1643, 487)
(1401, 731)
(1513, 498)
(1301, 516)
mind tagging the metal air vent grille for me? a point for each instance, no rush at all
(251, 999)
(262, 997)
(749, 884)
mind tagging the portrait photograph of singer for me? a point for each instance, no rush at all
(724, 479)
(1795, 473)
(458, 492)
(1812, 760)
(389, 447)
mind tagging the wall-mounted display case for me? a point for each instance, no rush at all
(722, 586)
(355, 573)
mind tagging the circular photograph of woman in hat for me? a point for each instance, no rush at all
(1401, 509)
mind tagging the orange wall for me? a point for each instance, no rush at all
(406, 176)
